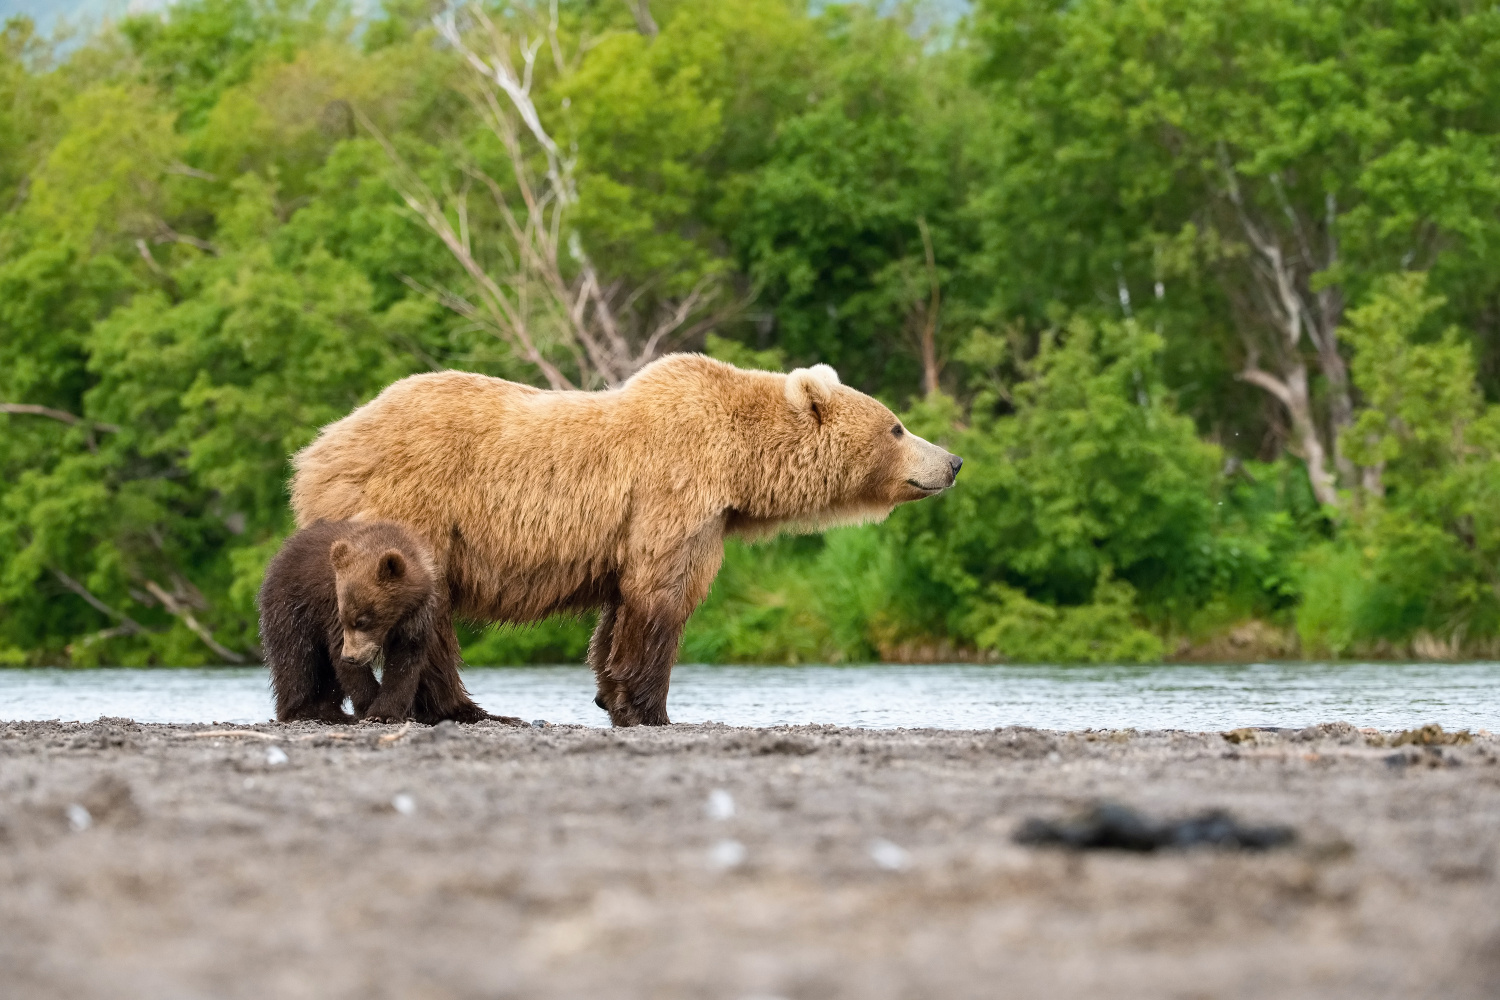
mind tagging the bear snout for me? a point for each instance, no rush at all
(359, 647)
(955, 463)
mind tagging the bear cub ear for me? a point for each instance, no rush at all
(392, 566)
(340, 553)
(810, 389)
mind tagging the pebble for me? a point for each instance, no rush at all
(891, 857)
(727, 854)
(403, 803)
(275, 757)
(720, 805)
(79, 819)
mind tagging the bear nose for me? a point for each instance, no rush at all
(955, 463)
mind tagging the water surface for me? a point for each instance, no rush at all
(1386, 695)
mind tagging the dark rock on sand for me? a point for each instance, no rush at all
(1111, 826)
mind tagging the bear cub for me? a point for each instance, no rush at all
(336, 595)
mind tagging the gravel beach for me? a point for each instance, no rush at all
(713, 862)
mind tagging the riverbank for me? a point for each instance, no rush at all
(708, 861)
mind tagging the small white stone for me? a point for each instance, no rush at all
(720, 805)
(79, 819)
(891, 857)
(404, 804)
(727, 854)
(276, 756)
(249, 783)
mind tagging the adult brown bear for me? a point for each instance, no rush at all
(539, 501)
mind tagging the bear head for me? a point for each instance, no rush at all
(883, 463)
(381, 578)
(840, 457)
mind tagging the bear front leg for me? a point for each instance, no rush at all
(356, 679)
(642, 652)
(404, 661)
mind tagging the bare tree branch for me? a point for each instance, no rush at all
(644, 22)
(510, 324)
(184, 170)
(182, 611)
(1282, 287)
(1268, 382)
(548, 300)
(34, 410)
(114, 632)
(126, 622)
(166, 234)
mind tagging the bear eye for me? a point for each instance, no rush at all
(361, 623)
(897, 431)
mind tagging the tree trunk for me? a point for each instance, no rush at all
(1292, 392)
(644, 22)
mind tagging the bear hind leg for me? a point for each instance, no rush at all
(307, 690)
(642, 652)
(600, 644)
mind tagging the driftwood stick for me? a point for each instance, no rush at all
(232, 732)
(393, 737)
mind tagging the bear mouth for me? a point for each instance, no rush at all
(925, 489)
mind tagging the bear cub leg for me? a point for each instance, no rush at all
(404, 662)
(357, 679)
(307, 689)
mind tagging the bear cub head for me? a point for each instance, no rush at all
(381, 578)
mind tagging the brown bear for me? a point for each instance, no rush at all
(537, 501)
(338, 594)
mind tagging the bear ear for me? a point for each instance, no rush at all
(826, 374)
(808, 390)
(340, 553)
(392, 566)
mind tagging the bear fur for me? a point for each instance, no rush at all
(338, 594)
(536, 501)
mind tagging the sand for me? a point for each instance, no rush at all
(712, 862)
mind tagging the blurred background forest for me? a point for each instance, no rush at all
(1204, 291)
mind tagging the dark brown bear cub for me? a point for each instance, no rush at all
(336, 595)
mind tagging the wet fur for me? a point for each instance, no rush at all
(302, 631)
(535, 502)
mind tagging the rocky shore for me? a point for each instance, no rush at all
(806, 863)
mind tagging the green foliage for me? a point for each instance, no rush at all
(1419, 560)
(1092, 490)
(1103, 631)
(562, 639)
(796, 600)
(204, 258)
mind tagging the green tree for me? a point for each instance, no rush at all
(1287, 152)
(1094, 491)
(1420, 560)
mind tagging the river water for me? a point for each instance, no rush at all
(1385, 695)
